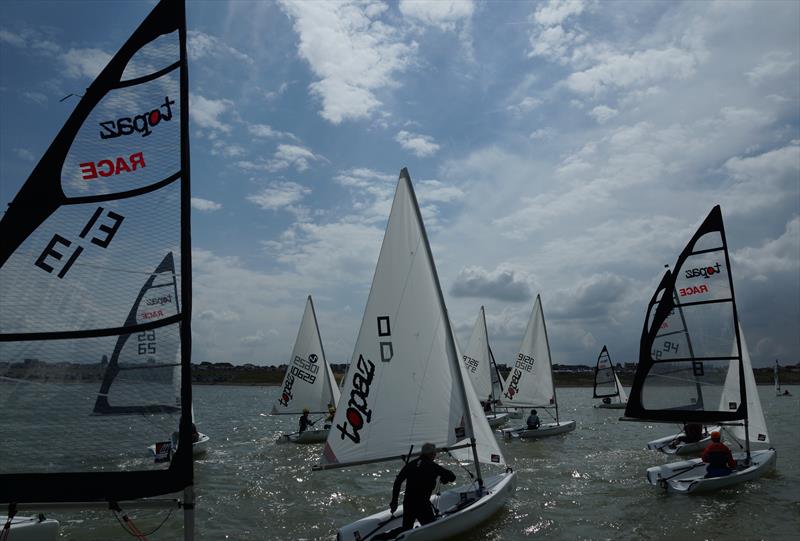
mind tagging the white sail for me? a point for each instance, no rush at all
(308, 383)
(776, 378)
(530, 382)
(757, 425)
(477, 362)
(406, 384)
(622, 396)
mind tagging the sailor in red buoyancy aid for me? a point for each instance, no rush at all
(719, 457)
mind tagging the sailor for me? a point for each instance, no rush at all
(533, 421)
(786, 392)
(718, 457)
(304, 422)
(607, 400)
(692, 432)
(330, 416)
(420, 476)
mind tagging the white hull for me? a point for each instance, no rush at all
(612, 406)
(199, 447)
(681, 449)
(688, 477)
(309, 436)
(31, 529)
(450, 524)
(548, 429)
(497, 419)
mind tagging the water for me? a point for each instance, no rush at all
(588, 484)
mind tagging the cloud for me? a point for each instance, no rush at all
(206, 112)
(35, 97)
(593, 297)
(24, 154)
(84, 62)
(444, 14)
(781, 255)
(556, 12)
(542, 133)
(603, 113)
(266, 131)
(548, 38)
(204, 204)
(772, 66)
(433, 191)
(421, 145)
(284, 157)
(279, 195)
(11, 38)
(526, 105)
(201, 45)
(503, 284)
(351, 52)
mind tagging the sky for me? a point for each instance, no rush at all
(566, 148)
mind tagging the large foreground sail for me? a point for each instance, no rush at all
(106, 204)
(406, 382)
(308, 382)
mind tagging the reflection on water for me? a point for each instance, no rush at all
(588, 484)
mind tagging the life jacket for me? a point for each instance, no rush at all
(718, 455)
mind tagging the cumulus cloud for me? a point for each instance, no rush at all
(774, 64)
(548, 37)
(198, 203)
(11, 38)
(206, 112)
(781, 255)
(526, 105)
(591, 298)
(200, 45)
(444, 14)
(603, 113)
(84, 62)
(352, 53)
(24, 154)
(503, 283)
(421, 145)
(265, 131)
(284, 157)
(279, 195)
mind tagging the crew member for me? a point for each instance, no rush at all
(304, 422)
(330, 416)
(533, 421)
(718, 457)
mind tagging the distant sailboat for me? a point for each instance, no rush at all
(607, 385)
(669, 375)
(308, 383)
(482, 372)
(530, 383)
(777, 380)
(109, 198)
(407, 385)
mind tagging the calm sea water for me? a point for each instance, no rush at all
(588, 484)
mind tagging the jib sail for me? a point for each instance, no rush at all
(690, 340)
(106, 205)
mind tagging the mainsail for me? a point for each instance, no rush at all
(107, 203)
(776, 377)
(478, 360)
(530, 382)
(308, 383)
(406, 384)
(606, 381)
(695, 298)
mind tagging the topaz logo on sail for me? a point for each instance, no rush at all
(142, 124)
(358, 411)
(705, 272)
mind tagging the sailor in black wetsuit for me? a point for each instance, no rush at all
(304, 422)
(420, 477)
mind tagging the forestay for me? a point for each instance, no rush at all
(107, 204)
(406, 384)
(308, 383)
(530, 382)
(682, 380)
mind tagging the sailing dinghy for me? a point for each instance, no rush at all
(710, 382)
(607, 385)
(407, 385)
(107, 202)
(308, 383)
(478, 362)
(530, 382)
(777, 380)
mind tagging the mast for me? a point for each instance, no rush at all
(455, 360)
(549, 356)
(488, 357)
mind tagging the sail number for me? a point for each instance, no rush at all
(55, 250)
(470, 364)
(146, 343)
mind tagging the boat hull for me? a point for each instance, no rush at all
(681, 449)
(309, 436)
(200, 447)
(545, 430)
(612, 406)
(688, 477)
(452, 523)
(497, 419)
(31, 528)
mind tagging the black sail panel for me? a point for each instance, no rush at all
(88, 328)
(690, 337)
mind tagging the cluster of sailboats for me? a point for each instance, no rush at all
(409, 382)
